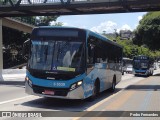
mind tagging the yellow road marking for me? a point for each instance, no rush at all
(97, 104)
(115, 103)
(120, 101)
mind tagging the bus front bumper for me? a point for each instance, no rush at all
(141, 72)
(77, 93)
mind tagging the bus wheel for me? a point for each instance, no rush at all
(113, 87)
(135, 75)
(95, 91)
(152, 73)
(122, 72)
(148, 74)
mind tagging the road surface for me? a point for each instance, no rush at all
(132, 94)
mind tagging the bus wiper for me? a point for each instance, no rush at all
(58, 52)
(46, 53)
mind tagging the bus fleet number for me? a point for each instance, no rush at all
(59, 84)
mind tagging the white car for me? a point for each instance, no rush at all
(156, 66)
(129, 69)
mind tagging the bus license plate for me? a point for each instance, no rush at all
(48, 92)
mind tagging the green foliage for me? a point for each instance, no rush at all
(14, 39)
(45, 20)
(130, 49)
(39, 20)
(148, 31)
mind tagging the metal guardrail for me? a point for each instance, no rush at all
(24, 2)
(18, 66)
(19, 8)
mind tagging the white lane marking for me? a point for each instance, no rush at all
(8, 101)
(98, 104)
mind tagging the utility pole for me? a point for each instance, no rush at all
(1, 50)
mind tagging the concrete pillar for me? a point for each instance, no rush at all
(1, 51)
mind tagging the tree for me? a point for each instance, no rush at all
(39, 20)
(13, 39)
(45, 20)
(148, 31)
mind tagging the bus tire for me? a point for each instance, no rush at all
(112, 89)
(148, 74)
(122, 72)
(135, 75)
(96, 89)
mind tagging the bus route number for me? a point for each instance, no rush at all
(58, 84)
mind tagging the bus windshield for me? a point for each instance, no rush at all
(141, 63)
(56, 55)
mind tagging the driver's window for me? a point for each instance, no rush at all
(91, 52)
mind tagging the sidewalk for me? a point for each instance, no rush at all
(19, 75)
(14, 74)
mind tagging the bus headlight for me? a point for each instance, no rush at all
(75, 85)
(79, 83)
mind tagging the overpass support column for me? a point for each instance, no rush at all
(1, 50)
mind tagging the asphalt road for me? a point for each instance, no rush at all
(132, 94)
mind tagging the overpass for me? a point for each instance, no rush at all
(15, 8)
(14, 24)
(74, 7)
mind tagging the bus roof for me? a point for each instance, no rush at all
(89, 32)
(104, 38)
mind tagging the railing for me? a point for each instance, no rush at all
(18, 2)
(18, 66)
(74, 7)
(23, 2)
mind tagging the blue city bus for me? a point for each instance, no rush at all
(71, 63)
(143, 65)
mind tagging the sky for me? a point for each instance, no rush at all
(103, 22)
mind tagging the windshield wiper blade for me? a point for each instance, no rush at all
(46, 53)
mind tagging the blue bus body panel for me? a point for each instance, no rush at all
(102, 71)
(87, 83)
(140, 70)
(99, 71)
(54, 83)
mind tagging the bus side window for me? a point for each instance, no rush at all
(90, 54)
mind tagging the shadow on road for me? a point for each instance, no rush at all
(144, 87)
(13, 83)
(64, 104)
(82, 105)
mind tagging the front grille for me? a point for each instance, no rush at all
(57, 76)
(57, 91)
(141, 72)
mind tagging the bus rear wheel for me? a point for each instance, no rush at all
(113, 87)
